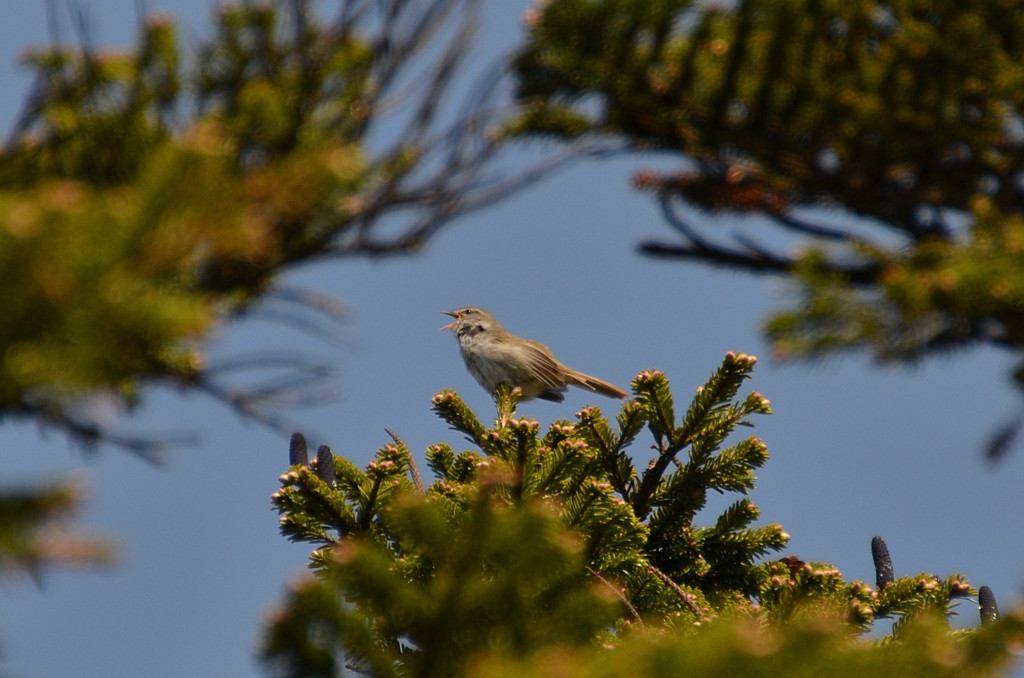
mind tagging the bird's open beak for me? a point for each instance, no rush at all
(452, 325)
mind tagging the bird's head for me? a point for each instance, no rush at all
(469, 319)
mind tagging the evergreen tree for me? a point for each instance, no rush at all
(558, 553)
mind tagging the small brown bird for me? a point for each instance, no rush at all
(494, 356)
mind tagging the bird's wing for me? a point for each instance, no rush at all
(543, 365)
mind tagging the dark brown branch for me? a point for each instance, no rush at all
(304, 384)
(466, 191)
(806, 228)
(89, 434)
(676, 221)
(756, 259)
(654, 472)
(717, 257)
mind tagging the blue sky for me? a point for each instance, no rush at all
(856, 450)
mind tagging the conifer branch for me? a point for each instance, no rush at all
(651, 479)
(611, 446)
(440, 459)
(453, 410)
(506, 398)
(652, 390)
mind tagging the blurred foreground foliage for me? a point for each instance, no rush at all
(556, 554)
(149, 195)
(879, 144)
(35, 535)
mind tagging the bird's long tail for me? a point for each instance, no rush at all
(594, 384)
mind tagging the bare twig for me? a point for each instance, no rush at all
(414, 471)
(620, 595)
(688, 598)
